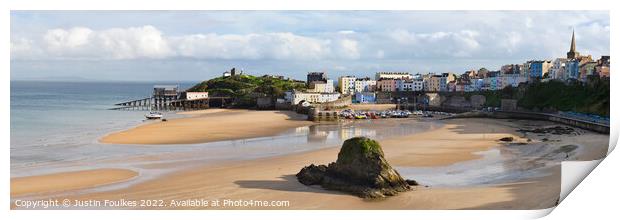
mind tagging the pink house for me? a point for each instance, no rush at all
(386, 85)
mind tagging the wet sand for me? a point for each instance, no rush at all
(273, 178)
(209, 126)
(457, 141)
(68, 181)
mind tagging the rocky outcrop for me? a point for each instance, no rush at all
(506, 139)
(361, 169)
(556, 130)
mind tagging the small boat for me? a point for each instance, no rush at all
(373, 116)
(153, 115)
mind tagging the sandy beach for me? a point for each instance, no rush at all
(68, 181)
(208, 126)
(273, 178)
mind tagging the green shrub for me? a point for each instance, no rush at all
(358, 147)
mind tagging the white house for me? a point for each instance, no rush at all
(365, 85)
(196, 95)
(392, 75)
(322, 87)
(410, 85)
(558, 67)
(295, 97)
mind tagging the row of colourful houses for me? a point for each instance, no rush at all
(363, 89)
(446, 82)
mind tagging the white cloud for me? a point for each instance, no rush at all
(135, 42)
(290, 46)
(346, 32)
(437, 44)
(395, 36)
(72, 38)
(280, 46)
(115, 43)
(347, 48)
(149, 42)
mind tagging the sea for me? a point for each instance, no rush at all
(52, 121)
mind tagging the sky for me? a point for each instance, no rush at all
(198, 45)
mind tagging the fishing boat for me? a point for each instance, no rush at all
(153, 115)
(360, 116)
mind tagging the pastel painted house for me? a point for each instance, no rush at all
(365, 97)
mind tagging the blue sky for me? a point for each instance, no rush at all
(197, 45)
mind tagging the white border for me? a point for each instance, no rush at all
(310, 5)
(590, 203)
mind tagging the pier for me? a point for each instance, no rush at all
(169, 98)
(173, 104)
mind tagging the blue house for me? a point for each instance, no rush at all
(572, 69)
(365, 97)
(539, 68)
(536, 69)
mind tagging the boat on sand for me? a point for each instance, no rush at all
(153, 115)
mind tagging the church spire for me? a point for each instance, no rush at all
(572, 53)
(573, 47)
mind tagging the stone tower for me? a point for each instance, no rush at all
(572, 53)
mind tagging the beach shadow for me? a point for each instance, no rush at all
(493, 126)
(288, 183)
(292, 116)
(477, 129)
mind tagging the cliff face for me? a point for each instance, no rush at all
(361, 169)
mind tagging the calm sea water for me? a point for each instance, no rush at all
(50, 118)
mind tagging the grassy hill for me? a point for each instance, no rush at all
(245, 88)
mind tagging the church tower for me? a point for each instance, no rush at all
(572, 53)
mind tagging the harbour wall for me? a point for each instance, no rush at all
(588, 125)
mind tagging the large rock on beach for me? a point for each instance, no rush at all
(361, 169)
